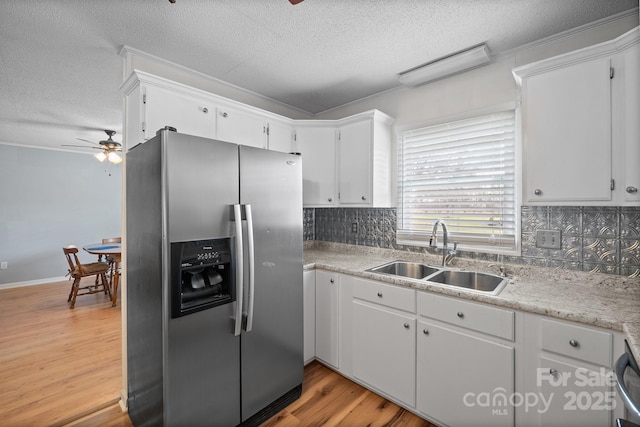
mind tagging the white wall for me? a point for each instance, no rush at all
(50, 199)
(483, 87)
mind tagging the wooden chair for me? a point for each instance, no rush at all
(110, 259)
(77, 270)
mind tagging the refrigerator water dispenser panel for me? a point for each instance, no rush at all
(202, 275)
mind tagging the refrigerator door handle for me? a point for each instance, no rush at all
(252, 281)
(237, 213)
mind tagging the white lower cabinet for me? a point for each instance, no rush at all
(384, 339)
(568, 370)
(457, 362)
(327, 309)
(309, 315)
(384, 346)
(574, 394)
(466, 362)
(464, 379)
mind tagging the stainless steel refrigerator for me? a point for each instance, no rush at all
(214, 282)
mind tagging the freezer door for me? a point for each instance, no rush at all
(202, 382)
(271, 352)
(202, 182)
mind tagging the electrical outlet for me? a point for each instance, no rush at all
(354, 227)
(548, 239)
(4, 265)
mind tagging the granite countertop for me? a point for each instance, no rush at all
(596, 299)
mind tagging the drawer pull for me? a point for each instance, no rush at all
(461, 315)
(380, 294)
(425, 331)
(406, 326)
(574, 343)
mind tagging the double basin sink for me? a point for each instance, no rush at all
(471, 280)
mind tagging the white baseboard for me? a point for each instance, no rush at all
(32, 282)
(123, 401)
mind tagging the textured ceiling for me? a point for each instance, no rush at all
(60, 70)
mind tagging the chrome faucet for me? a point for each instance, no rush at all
(433, 241)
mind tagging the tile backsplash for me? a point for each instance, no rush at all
(602, 239)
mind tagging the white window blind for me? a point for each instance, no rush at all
(464, 173)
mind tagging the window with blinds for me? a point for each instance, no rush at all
(464, 173)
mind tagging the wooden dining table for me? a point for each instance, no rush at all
(113, 250)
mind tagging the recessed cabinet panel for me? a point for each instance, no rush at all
(567, 133)
(309, 315)
(188, 114)
(355, 163)
(280, 137)
(241, 127)
(577, 341)
(327, 317)
(318, 148)
(464, 380)
(575, 396)
(631, 185)
(384, 354)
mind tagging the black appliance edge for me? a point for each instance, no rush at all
(275, 407)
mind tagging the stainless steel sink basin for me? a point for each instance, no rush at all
(471, 280)
(413, 270)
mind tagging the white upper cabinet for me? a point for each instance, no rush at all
(280, 136)
(630, 105)
(241, 127)
(317, 144)
(351, 160)
(151, 103)
(364, 156)
(346, 162)
(187, 113)
(580, 126)
(567, 133)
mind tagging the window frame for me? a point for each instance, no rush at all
(421, 238)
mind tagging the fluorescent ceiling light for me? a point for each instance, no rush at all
(446, 66)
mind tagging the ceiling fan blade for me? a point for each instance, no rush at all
(86, 140)
(82, 146)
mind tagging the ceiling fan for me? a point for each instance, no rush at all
(108, 148)
(294, 2)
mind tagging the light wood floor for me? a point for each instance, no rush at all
(56, 364)
(63, 367)
(328, 399)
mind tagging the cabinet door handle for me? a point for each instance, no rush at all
(425, 331)
(537, 192)
(364, 198)
(461, 315)
(406, 326)
(380, 294)
(330, 199)
(553, 372)
(330, 280)
(574, 343)
(224, 114)
(205, 110)
(631, 190)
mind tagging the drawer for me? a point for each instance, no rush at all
(388, 295)
(471, 315)
(579, 342)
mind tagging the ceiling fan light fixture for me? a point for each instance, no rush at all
(446, 66)
(100, 156)
(114, 157)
